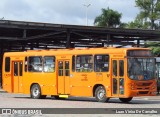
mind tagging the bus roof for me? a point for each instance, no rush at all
(109, 50)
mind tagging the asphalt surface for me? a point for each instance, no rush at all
(9, 100)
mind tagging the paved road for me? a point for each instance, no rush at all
(8, 100)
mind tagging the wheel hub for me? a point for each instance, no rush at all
(35, 91)
(101, 94)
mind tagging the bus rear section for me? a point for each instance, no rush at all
(12, 75)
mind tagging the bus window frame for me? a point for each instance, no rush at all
(76, 63)
(43, 60)
(9, 64)
(108, 62)
(29, 64)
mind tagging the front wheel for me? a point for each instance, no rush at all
(125, 100)
(36, 92)
(100, 94)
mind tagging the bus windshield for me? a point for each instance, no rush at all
(141, 68)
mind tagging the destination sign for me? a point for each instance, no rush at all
(139, 53)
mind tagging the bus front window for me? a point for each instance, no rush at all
(141, 68)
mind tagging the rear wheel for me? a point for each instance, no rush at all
(100, 94)
(125, 100)
(36, 92)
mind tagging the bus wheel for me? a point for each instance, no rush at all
(35, 91)
(126, 100)
(100, 94)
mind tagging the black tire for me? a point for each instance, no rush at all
(125, 100)
(100, 94)
(36, 92)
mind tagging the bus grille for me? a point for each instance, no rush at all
(144, 88)
(143, 92)
(144, 84)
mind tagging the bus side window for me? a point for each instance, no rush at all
(67, 68)
(114, 67)
(101, 63)
(84, 63)
(35, 64)
(21, 68)
(121, 68)
(49, 64)
(7, 64)
(15, 68)
(60, 68)
(73, 63)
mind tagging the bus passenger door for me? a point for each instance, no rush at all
(63, 76)
(117, 77)
(17, 73)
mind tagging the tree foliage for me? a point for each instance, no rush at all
(148, 18)
(108, 18)
(155, 46)
(138, 23)
(149, 13)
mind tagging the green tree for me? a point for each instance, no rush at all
(148, 18)
(108, 18)
(149, 13)
(155, 46)
(138, 23)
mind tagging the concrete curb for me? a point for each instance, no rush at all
(2, 91)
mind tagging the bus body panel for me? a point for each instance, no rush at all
(73, 83)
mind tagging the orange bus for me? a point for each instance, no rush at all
(102, 73)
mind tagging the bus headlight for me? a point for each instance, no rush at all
(154, 86)
(154, 93)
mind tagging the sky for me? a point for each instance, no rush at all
(71, 12)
